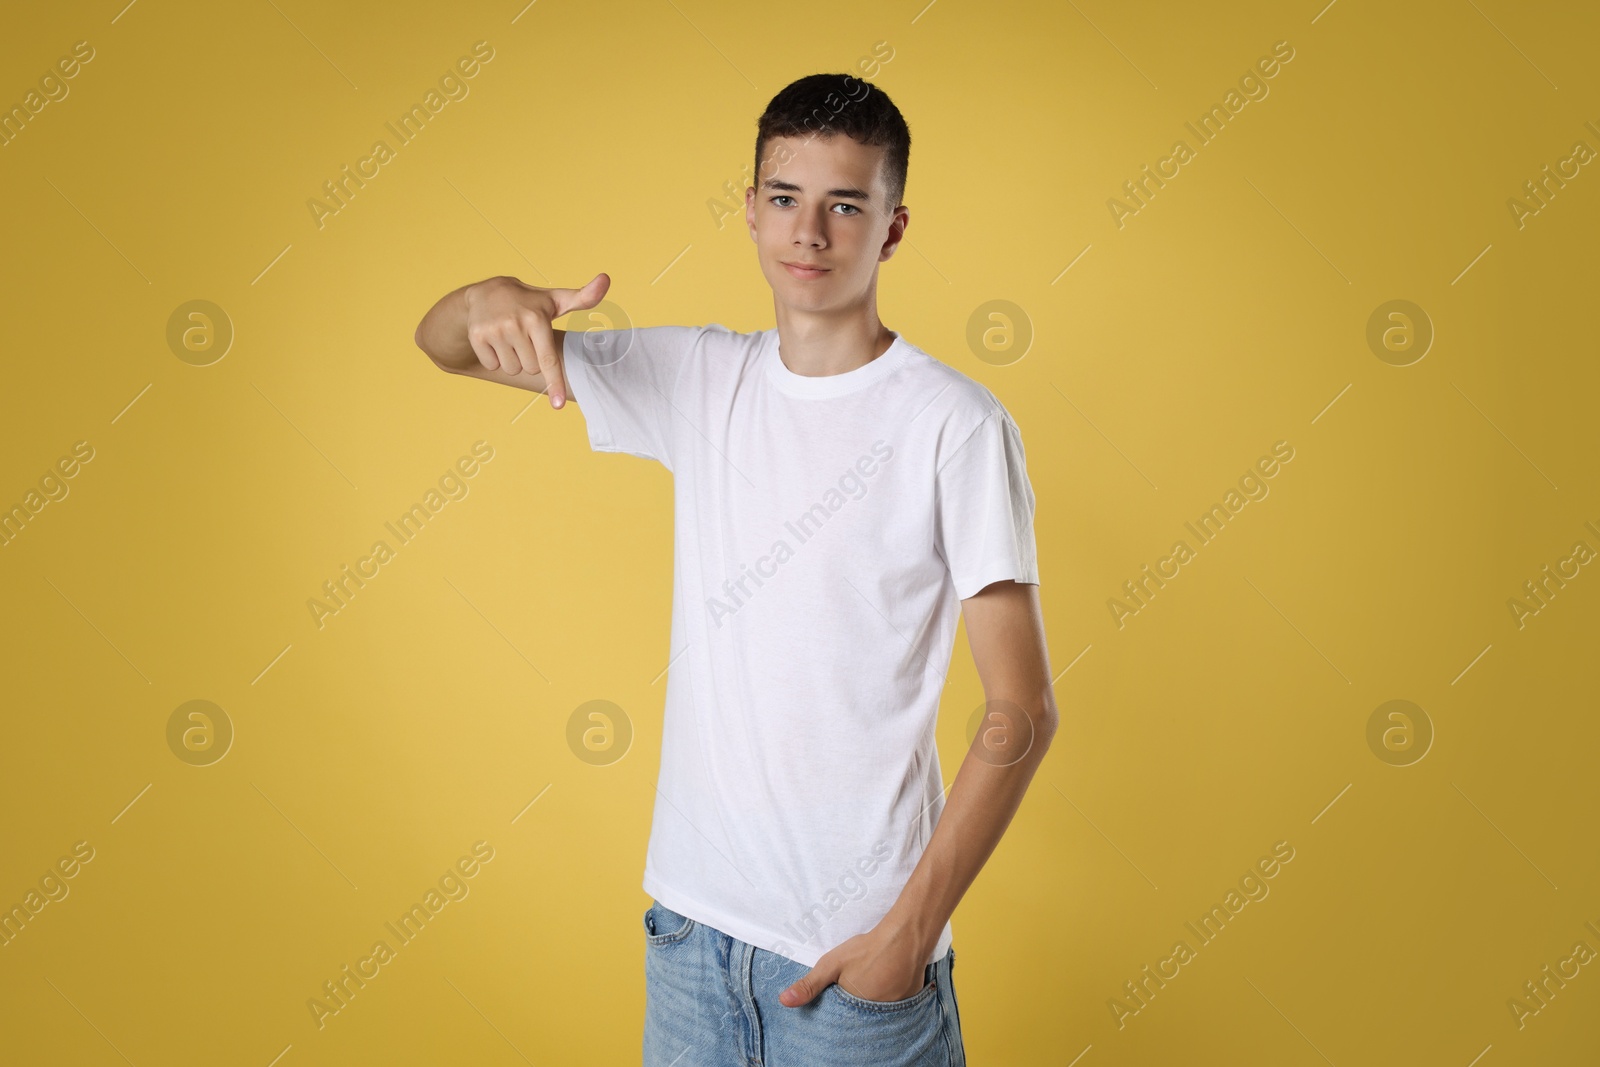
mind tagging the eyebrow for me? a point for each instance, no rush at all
(790, 187)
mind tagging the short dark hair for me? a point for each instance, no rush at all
(827, 104)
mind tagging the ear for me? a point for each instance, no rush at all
(897, 230)
(750, 210)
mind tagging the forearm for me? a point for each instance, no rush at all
(983, 799)
(442, 333)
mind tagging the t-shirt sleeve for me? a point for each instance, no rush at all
(623, 381)
(984, 508)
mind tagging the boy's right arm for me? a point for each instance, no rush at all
(499, 330)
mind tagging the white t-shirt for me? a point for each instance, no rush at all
(826, 530)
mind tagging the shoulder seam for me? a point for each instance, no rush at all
(996, 409)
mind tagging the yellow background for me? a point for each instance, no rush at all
(1227, 715)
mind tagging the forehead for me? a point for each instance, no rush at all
(815, 163)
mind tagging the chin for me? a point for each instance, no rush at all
(802, 294)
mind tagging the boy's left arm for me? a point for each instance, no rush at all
(1005, 630)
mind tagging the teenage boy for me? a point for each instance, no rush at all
(840, 496)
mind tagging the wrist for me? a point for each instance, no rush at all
(912, 927)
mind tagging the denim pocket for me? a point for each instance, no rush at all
(883, 1006)
(663, 926)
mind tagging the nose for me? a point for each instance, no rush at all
(810, 230)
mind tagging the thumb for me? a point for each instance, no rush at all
(587, 297)
(806, 988)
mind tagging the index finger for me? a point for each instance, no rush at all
(544, 345)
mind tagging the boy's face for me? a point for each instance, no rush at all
(822, 201)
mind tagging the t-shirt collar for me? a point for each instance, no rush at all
(829, 385)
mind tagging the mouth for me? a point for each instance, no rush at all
(800, 270)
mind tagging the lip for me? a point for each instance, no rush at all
(804, 272)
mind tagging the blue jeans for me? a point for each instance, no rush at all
(711, 1000)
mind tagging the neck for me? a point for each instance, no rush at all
(819, 344)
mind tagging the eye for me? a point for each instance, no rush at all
(853, 209)
(780, 196)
